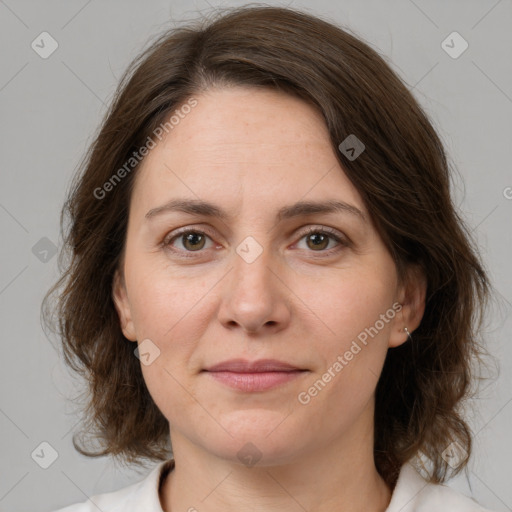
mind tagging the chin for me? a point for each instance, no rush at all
(258, 437)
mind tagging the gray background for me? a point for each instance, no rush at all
(50, 109)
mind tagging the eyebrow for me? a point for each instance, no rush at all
(302, 208)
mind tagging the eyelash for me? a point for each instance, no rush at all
(167, 243)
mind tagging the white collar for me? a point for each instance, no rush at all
(411, 494)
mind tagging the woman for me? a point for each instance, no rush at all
(268, 276)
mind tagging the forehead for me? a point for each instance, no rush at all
(239, 140)
(258, 113)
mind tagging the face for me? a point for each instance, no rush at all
(314, 288)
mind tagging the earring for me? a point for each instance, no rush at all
(408, 333)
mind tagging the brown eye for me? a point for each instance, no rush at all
(193, 241)
(317, 241)
(190, 241)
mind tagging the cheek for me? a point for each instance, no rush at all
(354, 312)
(162, 300)
(348, 301)
(173, 311)
(170, 312)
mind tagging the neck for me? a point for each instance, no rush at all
(339, 476)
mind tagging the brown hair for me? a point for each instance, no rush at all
(403, 177)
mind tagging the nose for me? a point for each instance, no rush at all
(255, 298)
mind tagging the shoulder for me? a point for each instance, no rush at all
(413, 493)
(108, 502)
(142, 495)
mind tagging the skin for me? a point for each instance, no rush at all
(252, 152)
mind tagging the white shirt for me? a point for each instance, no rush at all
(411, 494)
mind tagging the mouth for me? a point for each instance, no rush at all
(261, 375)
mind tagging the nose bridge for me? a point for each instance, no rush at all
(253, 296)
(252, 276)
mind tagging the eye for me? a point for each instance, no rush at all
(318, 239)
(194, 240)
(191, 240)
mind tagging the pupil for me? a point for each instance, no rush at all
(191, 239)
(317, 239)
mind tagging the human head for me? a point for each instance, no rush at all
(402, 178)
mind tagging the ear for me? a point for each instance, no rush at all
(411, 296)
(122, 305)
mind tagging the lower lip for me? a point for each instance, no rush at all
(259, 381)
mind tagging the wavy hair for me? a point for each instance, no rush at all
(403, 177)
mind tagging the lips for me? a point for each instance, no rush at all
(254, 376)
(260, 366)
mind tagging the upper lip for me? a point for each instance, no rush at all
(244, 366)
